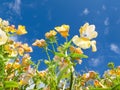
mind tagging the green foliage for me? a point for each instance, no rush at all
(11, 84)
(111, 65)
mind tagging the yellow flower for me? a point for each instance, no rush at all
(10, 29)
(26, 60)
(42, 74)
(92, 75)
(76, 50)
(12, 65)
(26, 47)
(25, 80)
(40, 43)
(3, 37)
(50, 34)
(8, 66)
(63, 30)
(21, 51)
(16, 65)
(98, 84)
(21, 30)
(11, 50)
(88, 31)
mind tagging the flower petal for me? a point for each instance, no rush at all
(93, 44)
(81, 42)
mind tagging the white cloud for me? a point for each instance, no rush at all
(86, 11)
(115, 48)
(106, 21)
(118, 21)
(44, 2)
(98, 12)
(49, 15)
(106, 31)
(103, 7)
(16, 6)
(94, 62)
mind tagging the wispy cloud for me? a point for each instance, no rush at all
(94, 62)
(106, 21)
(103, 7)
(86, 11)
(49, 15)
(115, 48)
(16, 6)
(44, 2)
(106, 31)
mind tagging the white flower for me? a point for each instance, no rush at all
(93, 44)
(3, 37)
(5, 23)
(81, 42)
(0, 20)
(88, 31)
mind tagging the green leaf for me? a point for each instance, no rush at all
(47, 62)
(1, 57)
(62, 72)
(101, 89)
(75, 55)
(111, 65)
(67, 45)
(116, 87)
(1, 88)
(59, 54)
(11, 84)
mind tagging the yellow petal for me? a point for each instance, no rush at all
(21, 30)
(63, 30)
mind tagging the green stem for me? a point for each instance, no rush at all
(56, 42)
(53, 47)
(71, 81)
(66, 39)
(47, 53)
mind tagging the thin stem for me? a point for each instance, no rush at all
(56, 42)
(66, 39)
(53, 47)
(46, 50)
(71, 81)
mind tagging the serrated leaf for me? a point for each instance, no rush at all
(11, 84)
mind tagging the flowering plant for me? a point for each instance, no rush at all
(19, 72)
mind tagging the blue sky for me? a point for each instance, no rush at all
(40, 16)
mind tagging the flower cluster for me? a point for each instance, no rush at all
(19, 72)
